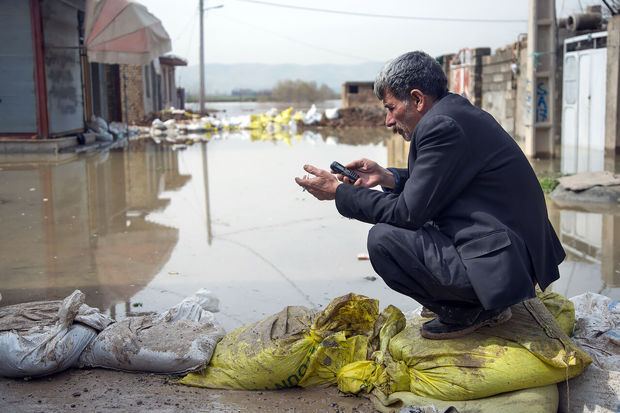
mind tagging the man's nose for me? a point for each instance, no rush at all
(389, 120)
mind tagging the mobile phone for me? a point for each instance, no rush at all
(339, 169)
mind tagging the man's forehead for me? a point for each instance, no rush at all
(389, 98)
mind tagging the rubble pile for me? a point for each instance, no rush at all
(360, 116)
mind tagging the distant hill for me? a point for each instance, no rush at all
(223, 78)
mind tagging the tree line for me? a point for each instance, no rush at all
(284, 91)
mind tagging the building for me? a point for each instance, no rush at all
(50, 89)
(358, 93)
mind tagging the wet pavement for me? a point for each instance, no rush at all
(139, 228)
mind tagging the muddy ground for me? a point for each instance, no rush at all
(99, 390)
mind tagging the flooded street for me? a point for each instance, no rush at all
(138, 229)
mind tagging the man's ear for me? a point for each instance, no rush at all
(419, 99)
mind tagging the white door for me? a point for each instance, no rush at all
(583, 111)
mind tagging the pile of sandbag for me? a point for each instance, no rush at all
(46, 337)
(350, 344)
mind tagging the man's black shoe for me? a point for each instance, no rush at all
(426, 313)
(436, 330)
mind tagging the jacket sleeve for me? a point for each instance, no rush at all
(400, 177)
(442, 170)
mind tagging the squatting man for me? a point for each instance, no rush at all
(463, 230)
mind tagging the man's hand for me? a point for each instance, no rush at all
(370, 173)
(322, 186)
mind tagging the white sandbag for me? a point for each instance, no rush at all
(597, 332)
(45, 337)
(179, 340)
(312, 116)
(331, 113)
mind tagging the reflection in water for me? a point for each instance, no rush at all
(81, 223)
(149, 225)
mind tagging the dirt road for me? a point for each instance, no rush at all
(99, 390)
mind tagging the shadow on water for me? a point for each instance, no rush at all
(139, 228)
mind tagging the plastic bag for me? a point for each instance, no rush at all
(295, 347)
(46, 337)
(179, 340)
(597, 331)
(530, 350)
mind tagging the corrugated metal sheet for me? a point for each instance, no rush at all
(62, 63)
(17, 92)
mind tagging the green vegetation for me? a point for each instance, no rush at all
(548, 183)
(284, 91)
(300, 91)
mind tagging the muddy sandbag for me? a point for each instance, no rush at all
(45, 337)
(530, 350)
(535, 400)
(179, 340)
(295, 347)
(597, 331)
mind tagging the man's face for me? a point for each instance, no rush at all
(401, 116)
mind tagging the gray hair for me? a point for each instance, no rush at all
(413, 70)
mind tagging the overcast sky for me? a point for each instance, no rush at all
(255, 31)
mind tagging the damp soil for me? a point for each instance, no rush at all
(99, 390)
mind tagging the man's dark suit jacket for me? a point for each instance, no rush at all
(467, 177)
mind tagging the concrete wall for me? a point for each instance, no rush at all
(499, 86)
(612, 100)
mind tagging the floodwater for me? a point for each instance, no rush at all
(138, 229)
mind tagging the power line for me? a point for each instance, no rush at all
(297, 41)
(386, 16)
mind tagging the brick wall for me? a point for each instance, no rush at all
(132, 74)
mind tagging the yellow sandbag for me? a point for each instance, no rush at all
(530, 350)
(562, 309)
(534, 400)
(297, 346)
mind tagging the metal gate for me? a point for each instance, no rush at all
(583, 103)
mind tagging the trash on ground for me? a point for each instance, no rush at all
(597, 331)
(363, 257)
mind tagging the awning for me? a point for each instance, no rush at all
(123, 32)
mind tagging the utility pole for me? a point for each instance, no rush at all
(202, 54)
(540, 79)
(202, 60)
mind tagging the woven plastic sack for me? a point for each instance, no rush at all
(179, 340)
(535, 400)
(530, 350)
(295, 347)
(45, 337)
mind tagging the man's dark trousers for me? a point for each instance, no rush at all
(424, 265)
